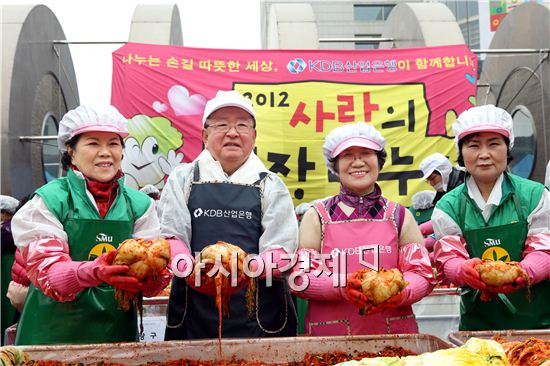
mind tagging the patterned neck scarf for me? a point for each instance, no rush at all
(367, 206)
(365, 202)
(103, 193)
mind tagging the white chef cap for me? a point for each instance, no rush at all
(227, 98)
(357, 134)
(485, 118)
(8, 204)
(87, 118)
(423, 199)
(434, 162)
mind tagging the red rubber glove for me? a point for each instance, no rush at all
(393, 302)
(114, 275)
(506, 289)
(152, 287)
(353, 293)
(470, 276)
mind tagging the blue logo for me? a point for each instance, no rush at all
(296, 66)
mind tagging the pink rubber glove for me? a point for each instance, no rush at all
(305, 284)
(470, 276)
(102, 270)
(182, 259)
(429, 243)
(537, 265)
(426, 228)
(18, 270)
(277, 259)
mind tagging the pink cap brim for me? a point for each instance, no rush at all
(355, 141)
(99, 128)
(484, 128)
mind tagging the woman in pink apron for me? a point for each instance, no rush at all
(358, 228)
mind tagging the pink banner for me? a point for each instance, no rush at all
(411, 95)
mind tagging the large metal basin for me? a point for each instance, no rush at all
(269, 350)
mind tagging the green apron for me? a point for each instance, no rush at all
(301, 308)
(93, 316)
(514, 310)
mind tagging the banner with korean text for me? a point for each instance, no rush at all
(412, 96)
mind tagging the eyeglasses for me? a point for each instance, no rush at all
(224, 126)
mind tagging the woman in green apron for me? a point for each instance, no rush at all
(494, 215)
(68, 231)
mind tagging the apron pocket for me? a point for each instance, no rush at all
(272, 311)
(402, 325)
(329, 328)
(177, 304)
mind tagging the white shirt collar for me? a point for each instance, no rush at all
(494, 197)
(211, 169)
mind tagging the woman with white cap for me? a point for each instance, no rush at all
(68, 231)
(441, 174)
(358, 217)
(495, 215)
(443, 177)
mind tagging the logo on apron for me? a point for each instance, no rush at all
(496, 254)
(99, 249)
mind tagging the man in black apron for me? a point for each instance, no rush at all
(227, 194)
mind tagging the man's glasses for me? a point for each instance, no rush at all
(224, 127)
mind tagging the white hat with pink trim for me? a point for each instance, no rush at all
(227, 98)
(485, 118)
(358, 134)
(87, 118)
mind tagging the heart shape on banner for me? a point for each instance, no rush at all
(183, 104)
(159, 107)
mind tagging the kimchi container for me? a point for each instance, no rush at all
(268, 350)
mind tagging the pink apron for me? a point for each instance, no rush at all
(327, 318)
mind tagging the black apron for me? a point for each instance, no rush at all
(232, 213)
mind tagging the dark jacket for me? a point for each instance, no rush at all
(456, 178)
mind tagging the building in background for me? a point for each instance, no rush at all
(345, 19)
